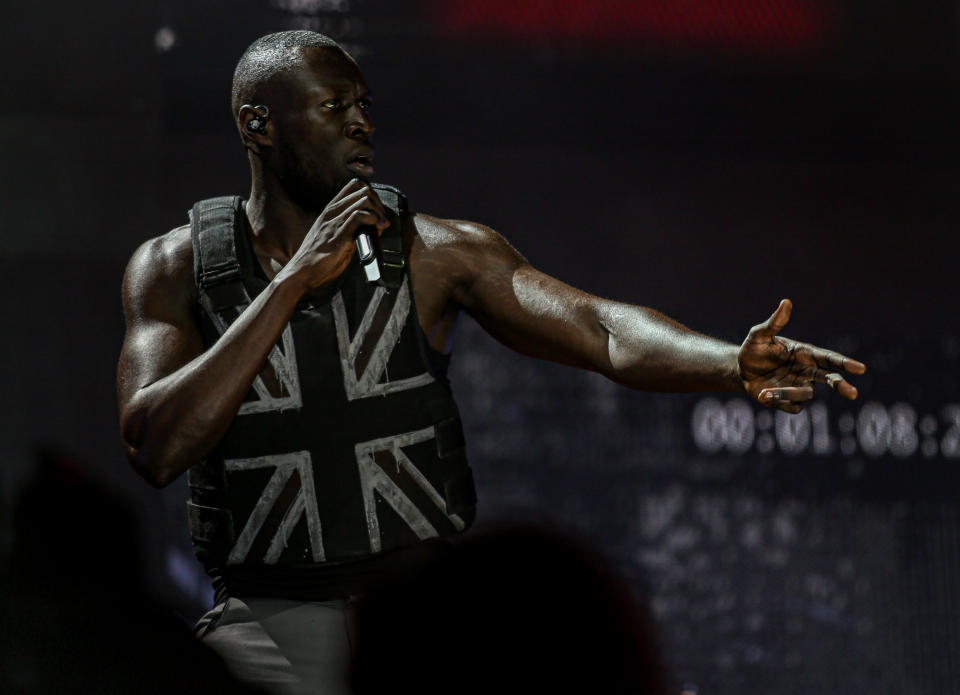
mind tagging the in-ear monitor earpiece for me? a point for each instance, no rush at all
(258, 124)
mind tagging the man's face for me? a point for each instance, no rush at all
(323, 130)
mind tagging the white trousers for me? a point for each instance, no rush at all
(283, 646)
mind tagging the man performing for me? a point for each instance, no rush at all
(310, 404)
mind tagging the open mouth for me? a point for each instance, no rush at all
(361, 161)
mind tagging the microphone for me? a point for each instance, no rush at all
(367, 251)
(367, 240)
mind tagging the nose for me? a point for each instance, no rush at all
(359, 126)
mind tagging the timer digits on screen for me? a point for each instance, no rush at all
(874, 430)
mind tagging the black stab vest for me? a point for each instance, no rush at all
(349, 443)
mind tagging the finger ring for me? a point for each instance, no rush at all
(833, 379)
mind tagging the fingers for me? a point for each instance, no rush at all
(356, 219)
(795, 402)
(358, 199)
(829, 363)
(355, 206)
(352, 186)
(834, 360)
(841, 386)
(376, 215)
(836, 381)
(775, 323)
(786, 395)
(785, 398)
(346, 200)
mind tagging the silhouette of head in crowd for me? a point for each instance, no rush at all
(517, 610)
(76, 617)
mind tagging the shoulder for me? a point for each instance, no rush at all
(461, 240)
(458, 256)
(161, 267)
(436, 232)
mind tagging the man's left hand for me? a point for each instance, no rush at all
(780, 373)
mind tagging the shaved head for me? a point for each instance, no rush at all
(318, 129)
(269, 58)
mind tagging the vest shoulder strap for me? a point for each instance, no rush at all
(391, 241)
(215, 226)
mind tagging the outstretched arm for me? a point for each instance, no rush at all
(638, 347)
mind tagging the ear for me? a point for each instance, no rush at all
(255, 126)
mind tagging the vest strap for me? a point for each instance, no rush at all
(449, 437)
(210, 525)
(214, 226)
(216, 298)
(391, 240)
(460, 493)
(206, 475)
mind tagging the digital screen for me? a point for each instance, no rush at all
(770, 547)
(874, 429)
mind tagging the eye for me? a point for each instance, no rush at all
(365, 103)
(333, 104)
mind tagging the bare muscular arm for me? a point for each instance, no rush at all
(177, 400)
(540, 316)
(638, 347)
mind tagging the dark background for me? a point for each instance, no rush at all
(704, 158)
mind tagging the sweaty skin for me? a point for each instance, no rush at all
(177, 399)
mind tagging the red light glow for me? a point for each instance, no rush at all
(764, 26)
